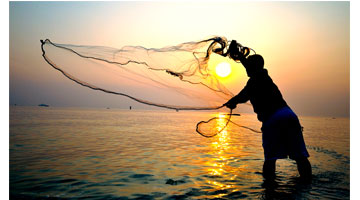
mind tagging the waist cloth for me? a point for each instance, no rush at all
(282, 136)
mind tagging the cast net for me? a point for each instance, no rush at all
(180, 77)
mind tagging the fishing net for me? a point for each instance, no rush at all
(181, 77)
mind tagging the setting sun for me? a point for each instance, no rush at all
(223, 69)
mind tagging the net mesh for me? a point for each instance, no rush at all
(180, 77)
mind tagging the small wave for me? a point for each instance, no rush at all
(333, 154)
(141, 175)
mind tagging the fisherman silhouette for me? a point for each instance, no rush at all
(281, 130)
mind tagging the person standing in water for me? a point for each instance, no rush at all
(281, 130)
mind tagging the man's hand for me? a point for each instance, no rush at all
(231, 104)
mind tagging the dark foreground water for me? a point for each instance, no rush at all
(58, 153)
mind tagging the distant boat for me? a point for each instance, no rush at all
(43, 105)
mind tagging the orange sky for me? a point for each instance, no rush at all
(306, 45)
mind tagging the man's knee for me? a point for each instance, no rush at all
(304, 167)
(269, 169)
(303, 161)
(270, 162)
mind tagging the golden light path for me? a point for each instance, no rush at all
(219, 166)
(223, 69)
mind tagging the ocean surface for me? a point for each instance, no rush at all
(72, 153)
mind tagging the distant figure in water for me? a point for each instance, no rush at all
(281, 130)
(130, 107)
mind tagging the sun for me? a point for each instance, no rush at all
(223, 69)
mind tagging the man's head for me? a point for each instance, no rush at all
(254, 64)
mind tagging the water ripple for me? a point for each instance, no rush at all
(116, 154)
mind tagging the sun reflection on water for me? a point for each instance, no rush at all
(219, 171)
(231, 163)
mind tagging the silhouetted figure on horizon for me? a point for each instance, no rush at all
(281, 130)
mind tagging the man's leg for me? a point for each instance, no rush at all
(304, 168)
(269, 169)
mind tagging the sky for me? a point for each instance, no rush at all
(306, 45)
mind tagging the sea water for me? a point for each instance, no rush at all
(73, 153)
